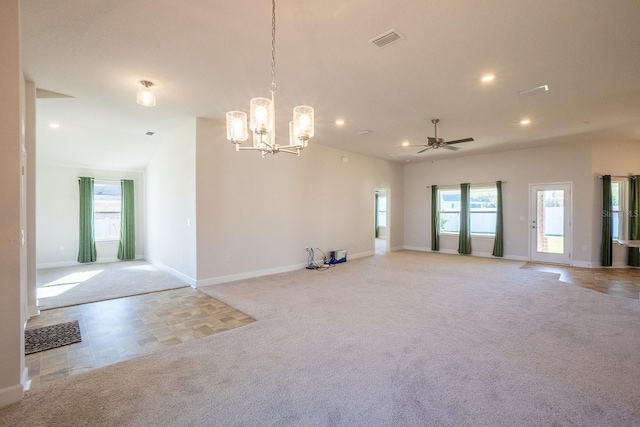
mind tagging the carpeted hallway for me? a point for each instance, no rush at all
(403, 339)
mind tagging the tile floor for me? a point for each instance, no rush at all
(620, 282)
(124, 328)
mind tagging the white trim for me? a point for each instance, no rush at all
(33, 311)
(188, 280)
(455, 252)
(267, 272)
(58, 264)
(582, 264)
(12, 394)
(25, 381)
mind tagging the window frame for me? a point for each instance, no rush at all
(623, 208)
(108, 238)
(443, 210)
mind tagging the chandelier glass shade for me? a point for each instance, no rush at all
(262, 114)
(146, 95)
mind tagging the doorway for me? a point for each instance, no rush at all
(381, 233)
(550, 223)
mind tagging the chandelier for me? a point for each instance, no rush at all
(262, 117)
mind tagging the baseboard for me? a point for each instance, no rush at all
(25, 381)
(455, 252)
(12, 394)
(33, 311)
(74, 263)
(582, 264)
(188, 280)
(361, 255)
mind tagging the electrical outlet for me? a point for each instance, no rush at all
(228, 258)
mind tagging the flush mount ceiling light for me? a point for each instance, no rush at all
(262, 117)
(146, 94)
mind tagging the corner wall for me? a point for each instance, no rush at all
(256, 216)
(170, 235)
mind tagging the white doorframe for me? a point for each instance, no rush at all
(540, 250)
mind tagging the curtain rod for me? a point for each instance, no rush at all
(618, 176)
(476, 184)
(104, 180)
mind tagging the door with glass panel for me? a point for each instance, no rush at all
(550, 225)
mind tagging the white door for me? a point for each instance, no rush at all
(550, 223)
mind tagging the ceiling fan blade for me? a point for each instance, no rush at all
(422, 151)
(457, 141)
(447, 147)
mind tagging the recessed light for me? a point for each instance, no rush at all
(525, 122)
(405, 143)
(54, 125)
(487, 78)
(340, 122)
(364, 132)
(150, 133)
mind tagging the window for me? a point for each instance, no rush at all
(482, 209)
(106, 210)
(618, 203)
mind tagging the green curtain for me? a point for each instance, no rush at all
(464, 244)
(127, 245)
(87, 244)
(498, 243)
(634, 221)
(606, 246)
(435, 219)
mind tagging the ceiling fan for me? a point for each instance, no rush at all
(435, 142)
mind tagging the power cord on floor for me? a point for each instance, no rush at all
(312, 263)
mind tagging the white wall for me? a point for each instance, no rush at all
(256, 216)
(57, 199)
(561, 163)
(13, 374)
(171, 205)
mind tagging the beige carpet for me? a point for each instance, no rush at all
(403, 339)
(64, 286)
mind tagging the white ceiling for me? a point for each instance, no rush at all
(208, 57)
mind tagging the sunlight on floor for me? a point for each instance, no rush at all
(64, 284)
(75, 278)
(54, 291)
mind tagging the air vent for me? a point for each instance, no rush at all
(387, 38)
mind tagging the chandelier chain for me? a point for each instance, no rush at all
(273, 46)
